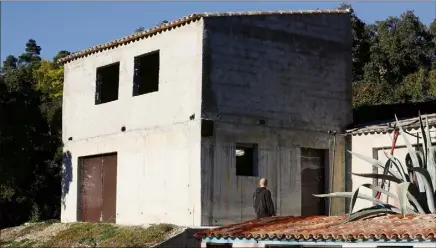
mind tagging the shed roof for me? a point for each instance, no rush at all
(388, 126)
(332, 228)
(181, 22)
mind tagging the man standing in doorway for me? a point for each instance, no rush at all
(262, 201)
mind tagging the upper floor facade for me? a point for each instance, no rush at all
(287, 68)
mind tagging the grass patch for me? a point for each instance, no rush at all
(21, 243)
(34, 227)
(109, 235)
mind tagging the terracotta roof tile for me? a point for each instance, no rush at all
(181, 22)
(389, 227)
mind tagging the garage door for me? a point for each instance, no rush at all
(98, 178)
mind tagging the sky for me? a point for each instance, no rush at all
(74, 26)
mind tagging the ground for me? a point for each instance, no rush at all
(55, 234)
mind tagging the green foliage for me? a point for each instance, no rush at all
(60, 55)
(416, 179)
(35, 214)
(49, 78)
(392, 60)
(139, 29)
(30, 138)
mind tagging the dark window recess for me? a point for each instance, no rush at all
(206, 128)
(146, 74)
(314, 167)
(107, 83)
(246, 160)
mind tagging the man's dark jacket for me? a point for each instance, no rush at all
(262, 203)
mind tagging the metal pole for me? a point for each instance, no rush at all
(331, 171)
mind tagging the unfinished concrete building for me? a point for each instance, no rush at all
(177, 124)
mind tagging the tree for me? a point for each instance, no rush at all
(9, 63)
(139, 29)
(61, 54)
(360, 44)
(49, 77)
(405, 43)
(393, 60)
(31, 56)
(29, 171)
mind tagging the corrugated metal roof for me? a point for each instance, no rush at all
(389, 126)
(181, 22)
(319, 228)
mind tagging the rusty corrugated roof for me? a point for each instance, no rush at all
(389, 126)
(318, 228)
(181, 22)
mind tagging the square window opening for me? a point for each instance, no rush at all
(107, 83)
(246, 160)
(207, 128)
(146, 74)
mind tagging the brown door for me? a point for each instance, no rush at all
(98, 188)
(109, 188)
(91, 189)
(313, 181)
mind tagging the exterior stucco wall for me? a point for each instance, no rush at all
(158, 177)
(157, 174)
(179, 82)
(372, 145)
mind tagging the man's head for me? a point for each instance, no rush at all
(263, 182)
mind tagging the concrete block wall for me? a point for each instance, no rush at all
(227, 198)
(294, 72)
(294, 69)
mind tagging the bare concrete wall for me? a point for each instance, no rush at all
(294, 72)
(227, 198)
(158, 177)
(291, 69)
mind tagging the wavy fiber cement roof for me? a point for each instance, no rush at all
(318, 228)
(181, 22)
(388, 126)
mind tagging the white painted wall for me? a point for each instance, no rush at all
(157, 174)
(159, 154)
(179, 82)
(364, 144)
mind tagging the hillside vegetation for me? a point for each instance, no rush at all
(54, 234)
